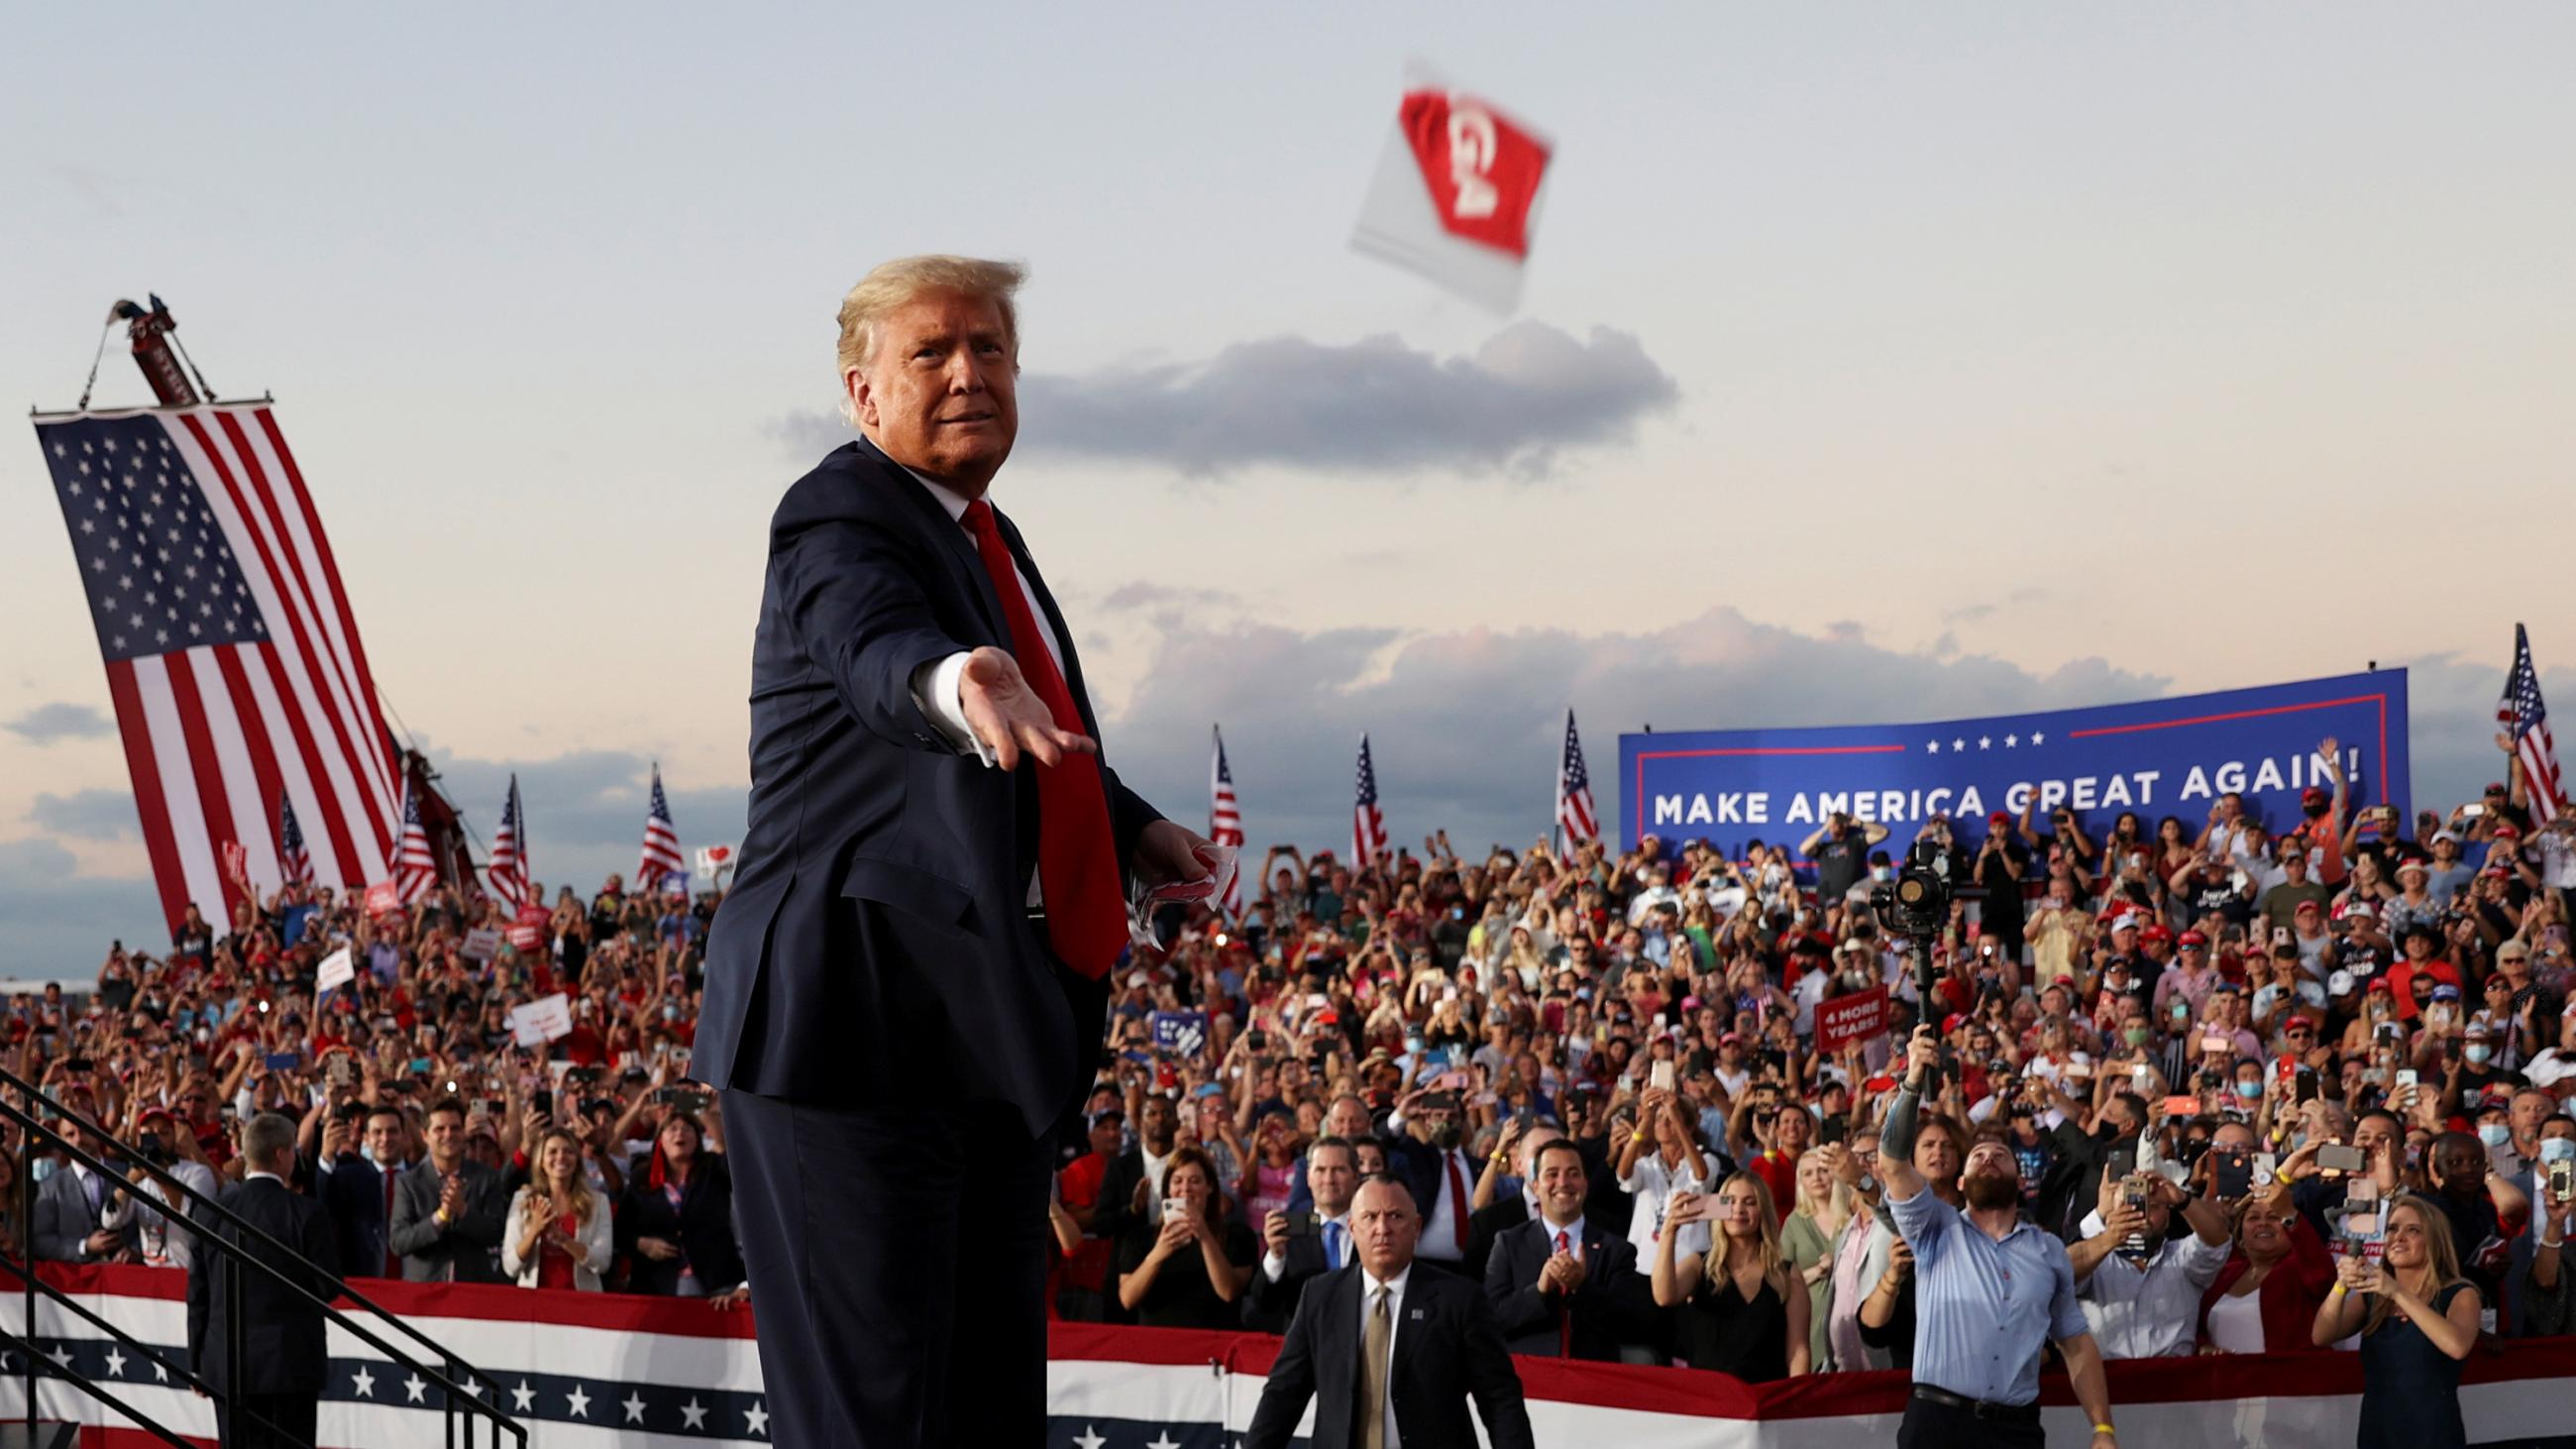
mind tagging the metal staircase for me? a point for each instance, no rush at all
(468, 1397)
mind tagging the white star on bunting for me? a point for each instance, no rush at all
(1089, 1438)
(634, 1407)
(364, 1384)
(757, 1417)
(693, 1414)
(580, 1402)
(415, 1386)
(523, 1398)
(115, 1362)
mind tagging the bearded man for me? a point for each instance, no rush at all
(1991, 1288)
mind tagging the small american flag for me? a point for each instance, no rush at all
(415, 868)
(294, 862)
(1574, 791)
(508, 871)
(661, 842)
(232, 652)
(1368, 824)
(2522, 715)
(1225, 817)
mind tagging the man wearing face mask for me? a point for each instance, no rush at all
(2475, 1200)
(2080, 1156)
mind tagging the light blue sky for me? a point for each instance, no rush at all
(2030, 353)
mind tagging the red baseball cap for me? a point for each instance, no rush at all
(2157, 931)
(2195, 937)
(2312, 796)
(1953, 1022)
(2000, 817)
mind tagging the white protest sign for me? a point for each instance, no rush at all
(714, 860)
(545, 1019)
(481, 944)
(336, 970)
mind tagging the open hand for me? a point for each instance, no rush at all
(1006, 714)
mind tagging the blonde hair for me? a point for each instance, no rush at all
(1767, 1220)
(1838, 1193)
(2441, 1258)
(891, 284)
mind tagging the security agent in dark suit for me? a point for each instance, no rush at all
(904, 987)
(284, 1354)
(1383, 1345)
(79, 1216)
(1299, 1246)
(1560, 1287)
(449, 1211)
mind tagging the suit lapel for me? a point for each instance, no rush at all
(950, 535)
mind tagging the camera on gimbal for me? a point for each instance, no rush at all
(1916, 905)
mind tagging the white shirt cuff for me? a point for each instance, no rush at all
(934, 689)
(1272, 1265)
(2091, 1227)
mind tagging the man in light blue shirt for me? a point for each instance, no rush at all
(1990, 1289)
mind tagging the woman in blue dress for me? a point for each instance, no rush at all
(2418, 1318)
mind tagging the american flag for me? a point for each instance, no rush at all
(2522, 715)
(508, 871)
(661, 841)
(1225, 817)
(1574, 791)
(1368, 825)
(415, 867)
(231, 651)
(294, 862)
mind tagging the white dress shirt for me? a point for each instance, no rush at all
(1573, 1232)
(2149, 1310)
(934, 685)
(1440, 1225)
(1369, 1285)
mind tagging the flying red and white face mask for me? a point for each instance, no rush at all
(1456, 194)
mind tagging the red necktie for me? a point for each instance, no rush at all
(1457, 1199)
(1086, 912)
(1564, 1311)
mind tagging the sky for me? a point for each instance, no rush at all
(1874, 362)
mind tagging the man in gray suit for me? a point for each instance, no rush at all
(81, 1216)
(449, 1211)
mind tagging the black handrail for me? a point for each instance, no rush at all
(455, 1395)
(151, 1355)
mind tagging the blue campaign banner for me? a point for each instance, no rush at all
(2157, 757)
(1179, 1032)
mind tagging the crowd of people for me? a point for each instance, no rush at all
(444, 1149)
(2274, 1085)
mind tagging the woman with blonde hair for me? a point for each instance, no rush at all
(2418, 1318)
(1808, 1239)
(1743, 1310)
(558, 1232)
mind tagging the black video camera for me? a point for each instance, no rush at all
(1916, 905)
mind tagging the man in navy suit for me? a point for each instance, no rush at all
(1561, 1287)
(1390, 1355)
(357, 1190)
(284, 1352)
(905, 987)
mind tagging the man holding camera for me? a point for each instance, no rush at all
(1302, 1244)
(1993, 1289)
(2141, 1292)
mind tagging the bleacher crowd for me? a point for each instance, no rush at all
(2228, 1059)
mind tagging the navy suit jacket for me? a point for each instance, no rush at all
(284, 1349)
(353, 1193)
(1446, 1352)
(1613, 1304)
(876, 948)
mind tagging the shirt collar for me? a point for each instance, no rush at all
(1573, 1229)
(949, 498)
(1370, 1283)
(271, 1176)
